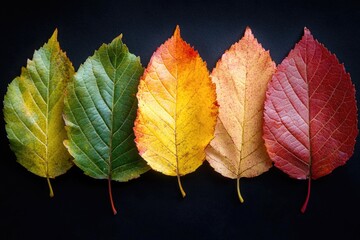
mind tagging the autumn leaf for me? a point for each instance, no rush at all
(177, 109)
(241, 78)
(33, 107)
(310, 113)
(100, 109)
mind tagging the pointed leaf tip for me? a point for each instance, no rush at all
(307, 32)
(53, 40)
(248, 34)
(119, 37)
(248, 31)
(54, 35)
(177, 32)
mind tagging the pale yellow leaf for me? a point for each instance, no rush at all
(241, 78)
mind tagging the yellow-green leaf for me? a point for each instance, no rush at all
(241, 78)
(33, 108)
(177, 109)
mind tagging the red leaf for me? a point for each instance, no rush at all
(310, 117)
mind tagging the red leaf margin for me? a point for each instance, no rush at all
(310, 113)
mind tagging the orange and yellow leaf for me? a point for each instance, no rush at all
(177, 109)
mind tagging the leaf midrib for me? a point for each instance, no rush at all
(308, 106)
(239, 171)
(176, 108)
(112, 115)
(115, 81)
(47, 114)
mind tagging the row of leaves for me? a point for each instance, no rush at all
(242, 117)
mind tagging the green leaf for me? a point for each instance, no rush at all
(100, 109)
(33, 107)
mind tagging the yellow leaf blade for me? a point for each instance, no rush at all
(33, 108)
(177, 109)
(241, 78)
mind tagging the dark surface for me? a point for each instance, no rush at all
(151, 207)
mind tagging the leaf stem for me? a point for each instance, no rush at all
(307, 197)
(111, 198)
(180, 186)
(50, 187)
(238, 190)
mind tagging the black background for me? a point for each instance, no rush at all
(151, 206)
